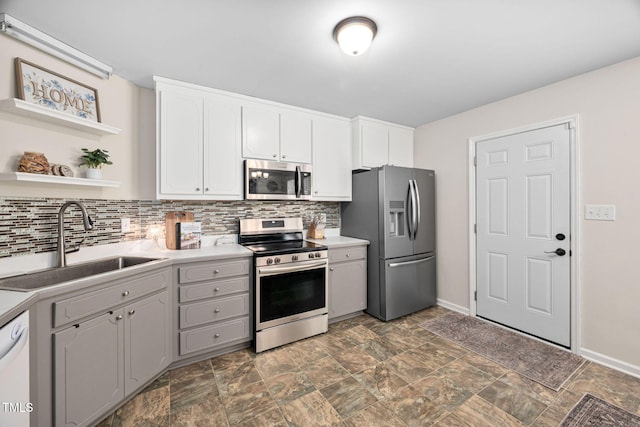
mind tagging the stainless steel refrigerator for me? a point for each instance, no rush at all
(394, 208)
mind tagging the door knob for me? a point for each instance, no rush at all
(559, 252)
(560, 236)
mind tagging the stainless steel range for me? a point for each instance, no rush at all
(291, 281)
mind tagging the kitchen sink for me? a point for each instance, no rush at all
(53, 276)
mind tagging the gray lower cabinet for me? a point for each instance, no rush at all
(347, 280)
(89, 369)
(214, 305)
(100, 361)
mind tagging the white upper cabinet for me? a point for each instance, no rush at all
(377, 143)
(180, 144)
(222, 149)
(374, 139)
(271, 133)
(261, 133)
(331, 159)
(295, 137)
(401, 146)
(198, 144)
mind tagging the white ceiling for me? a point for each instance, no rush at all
(430, 59)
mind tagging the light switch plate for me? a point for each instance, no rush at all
(125, 225)
(600, 212)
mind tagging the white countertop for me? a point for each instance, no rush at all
(14, 302)
(339, 241)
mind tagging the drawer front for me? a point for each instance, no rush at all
(214, 310)
(120, 291)
(347, 254)
(213, 289)
(198, 272)
(212, 336)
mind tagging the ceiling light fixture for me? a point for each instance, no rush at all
(355, 34)
(21, 31)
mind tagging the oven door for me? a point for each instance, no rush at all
(266, 180)
(285, 293)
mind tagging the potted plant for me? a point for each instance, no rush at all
(94, 160)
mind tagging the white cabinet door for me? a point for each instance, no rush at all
(295, 137)
(331, 159)
(222, 149)
(180, 144)
(401, 147)
(261, 133)
(375, 144)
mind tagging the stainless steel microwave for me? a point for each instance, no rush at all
(267, 180)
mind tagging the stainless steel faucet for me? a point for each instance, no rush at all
(61, 258)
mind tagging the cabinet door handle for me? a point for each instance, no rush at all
(216, 290)
(216, 336)
(284, 156)
(132, 312)
(217, 310)
(330, 268)
(216, 271)
(348, 255)
(119, 317)
(275, 156)
(125, 294)
(197, 188)
(206, 189)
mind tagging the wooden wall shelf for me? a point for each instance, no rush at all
(22, 108)
(54, 179)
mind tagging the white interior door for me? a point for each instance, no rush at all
(523, 226)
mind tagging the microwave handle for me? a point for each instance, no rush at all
(298, 182)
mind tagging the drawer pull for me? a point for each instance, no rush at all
(216, 290)
(331, 269)
(216, 336)
(132, 312)
(125, 294)
(348, 255)
(119, 317)
(217, 310)
(216, 271)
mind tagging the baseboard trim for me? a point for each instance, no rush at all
(610, 362)
(452, 306)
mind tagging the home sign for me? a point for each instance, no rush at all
(43, 87)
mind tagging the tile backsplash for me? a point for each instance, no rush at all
(30, 225)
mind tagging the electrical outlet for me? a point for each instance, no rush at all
(600, 212)
(125, 225)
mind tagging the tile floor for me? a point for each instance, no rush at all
(364, 372)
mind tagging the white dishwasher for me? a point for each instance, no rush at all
(15, 406)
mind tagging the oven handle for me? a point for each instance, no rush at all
(300, 267)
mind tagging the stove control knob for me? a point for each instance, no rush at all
(294, 257)
(318, 254)
(269, 261)
(310, 255)
(277, 260)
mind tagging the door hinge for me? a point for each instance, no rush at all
(475, 161)
(475, 228)
(475, 295)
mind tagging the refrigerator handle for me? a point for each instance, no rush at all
(414, 214)
(409, 214)
(417, 261)
(417, 198)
